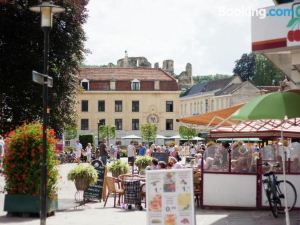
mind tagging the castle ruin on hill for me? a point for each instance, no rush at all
(185, 79)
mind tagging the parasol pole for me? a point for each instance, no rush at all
(287, 216)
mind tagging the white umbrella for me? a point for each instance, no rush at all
(158, 136)
(197, 139)
(175, 137)
(132, 136)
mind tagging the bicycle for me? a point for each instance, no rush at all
(274, 191)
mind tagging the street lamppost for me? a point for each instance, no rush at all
(98, 133)
(47, 9)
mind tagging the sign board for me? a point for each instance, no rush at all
(40, 78)
(170, 197)
(161, 156)
(95, 191)
(276, 27)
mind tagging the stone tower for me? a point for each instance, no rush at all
(185, 78)
(168, 65)
(188, 69)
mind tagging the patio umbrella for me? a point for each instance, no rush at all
(276, 105)
(158, 136)
(132, 136)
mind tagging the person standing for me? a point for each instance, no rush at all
(78, 149)
(103, 152)
(88, 151)
(130, 153)
(141, 150)
(117, 150)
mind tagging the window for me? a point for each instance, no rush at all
(156, 85)
(84, 124)
(135, 124)
(118, 106)
(118, 124)
(101, 106)
(102, 122)
(135, 85)
(206, 105)
(85, 84)
(135, 106)
(169, 106)
(67, 143)
(169, 124)
(84, 105)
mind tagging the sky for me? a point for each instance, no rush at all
(210, 36)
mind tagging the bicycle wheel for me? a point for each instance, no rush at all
(271, 196)
(291, 195)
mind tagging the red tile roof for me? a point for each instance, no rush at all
(119, 74)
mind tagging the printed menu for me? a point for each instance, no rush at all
(170, 197)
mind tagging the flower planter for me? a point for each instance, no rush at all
(81, 184)
(27, 204)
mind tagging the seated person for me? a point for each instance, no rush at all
(175, 164)
(241, 165)
(208, 163)
(162, 165)
(154, 164)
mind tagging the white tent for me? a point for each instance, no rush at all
(132, 136)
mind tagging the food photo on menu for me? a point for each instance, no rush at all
(170, 219)
(184, 201)
(155, 203)
(169, 182)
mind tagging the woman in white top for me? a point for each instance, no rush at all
(88, 151)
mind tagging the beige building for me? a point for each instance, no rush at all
(208, 96)
(126, 98)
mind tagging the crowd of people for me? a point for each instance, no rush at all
(239, 156)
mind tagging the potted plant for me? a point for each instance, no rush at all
(118, 167)
(83, 176)
(22, 169)
(142, 162)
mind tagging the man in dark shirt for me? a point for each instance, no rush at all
(103, 152)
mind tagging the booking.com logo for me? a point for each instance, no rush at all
(261, 13)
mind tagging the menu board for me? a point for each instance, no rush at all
(170, 197)
(94, 192)
(161, 156)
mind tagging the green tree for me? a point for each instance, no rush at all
(107, 132)
(148, 132)
(266, 73)
(21, 51)
(200, 78)
(70, 132)
(187, 132)
(245, 66)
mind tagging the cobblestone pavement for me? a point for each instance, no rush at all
(93, 213)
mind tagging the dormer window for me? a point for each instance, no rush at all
(85, 84)
(135, 85)
(112, 84)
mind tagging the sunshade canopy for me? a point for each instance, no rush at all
(215, 118)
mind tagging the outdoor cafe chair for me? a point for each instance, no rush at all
(112, 189)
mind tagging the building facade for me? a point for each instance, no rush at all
(208, 96)
(127, 97)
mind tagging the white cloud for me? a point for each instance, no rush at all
(186, 31)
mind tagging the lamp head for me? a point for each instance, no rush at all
(47, 9)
